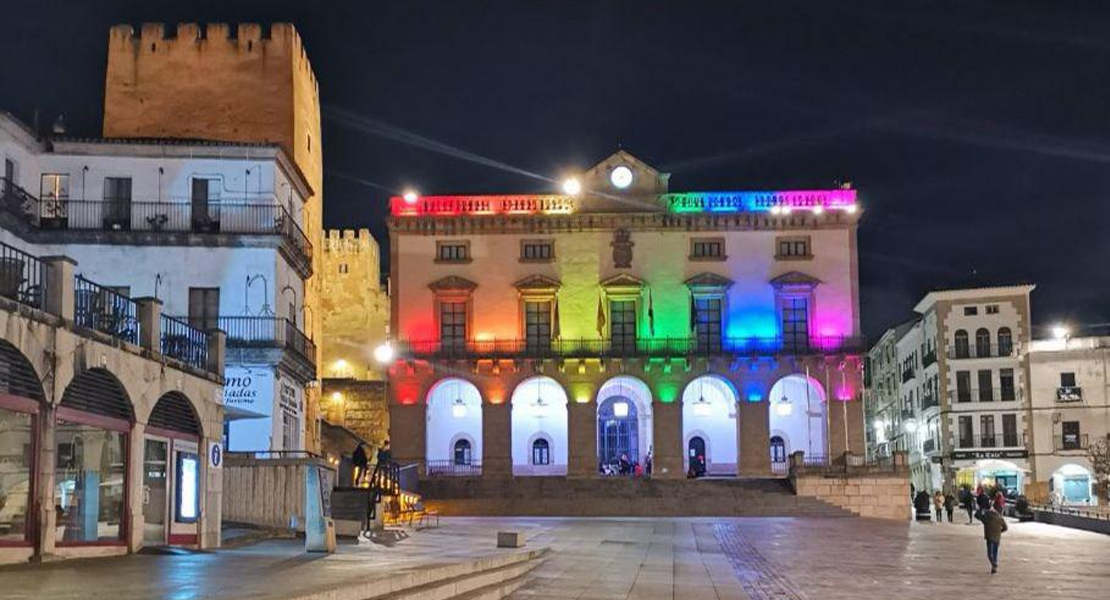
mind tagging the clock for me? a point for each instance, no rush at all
(621, 177)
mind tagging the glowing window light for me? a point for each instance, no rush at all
(620, 410)
(784, 408)
(701, 407)
(458, 409)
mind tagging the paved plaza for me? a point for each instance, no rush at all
(663, 558)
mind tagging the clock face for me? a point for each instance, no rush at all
(621, 177)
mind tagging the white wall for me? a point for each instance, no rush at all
(717, 426)
(803, 429)
(444, 428)
(530, 423)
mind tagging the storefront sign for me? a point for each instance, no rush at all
(249, 389)
(980, 454)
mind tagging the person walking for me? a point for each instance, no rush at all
(999, 501)
(994, 525)
(938, 506)
(949, 505)
(982, 500)
(968, 502)
(360, 461)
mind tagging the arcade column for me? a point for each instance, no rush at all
(755, 438)
(667, 443)
(497, 429)
(582, 437)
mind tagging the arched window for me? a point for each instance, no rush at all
(463, 453)
(962, 350)
(982, 343)
(778, 449)
(1005, 341)
(541, 452)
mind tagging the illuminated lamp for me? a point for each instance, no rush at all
(910, 426)
(621, 177)
(776, 210)
(784, 408)
(458, 409)
(878, 423)
(1060, 332)
(572, 187)
(336, 398)
(850, 209)
(384, 353)
(410, 196)
(701, 407)
(620, 409)
(818, 209)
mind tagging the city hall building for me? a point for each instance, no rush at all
(550, 335)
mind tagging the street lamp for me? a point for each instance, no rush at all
(1060, 332)
(572, 187)
(410, 196)
(384, 353)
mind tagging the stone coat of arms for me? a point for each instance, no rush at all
(622, 249)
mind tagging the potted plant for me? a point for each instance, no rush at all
(1021, 508)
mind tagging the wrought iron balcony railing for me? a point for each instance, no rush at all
(655, 347)
(250, 216)
(451, 468)
(929, 358)
(1071, 441)
(22, 277)
(1003, 394)
(1069, 393)
(961, 350)
(930, 445)
(268, 332)
(105, 310)
(184, 342)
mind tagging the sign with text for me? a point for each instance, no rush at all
(249, 389)
(981, 454)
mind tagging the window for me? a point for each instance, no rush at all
(970, 311)
(15, 477)
(537, 325)
(795, 323)
(982, 343)
(986, 431)
(541, 452)
(962, 349)
(778, 450)
(117, 200)
(457, 252)
(1067, 380)
(707, 249)
(992, 309)
(343, 269)
(290, 430)
(1070, 438)
(53, 194)
(622, 328)
(792, 247)
(452, 324)
(1005, 342)
(1009, 431)
(204, 308)
(707, 323)
(462, 452)
(537, 250)
(1006, 384)
(89, 477)
(966, 435)
(986, 387)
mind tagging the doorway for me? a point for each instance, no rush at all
(695, 450)
(171, 492)
(155, 483)
(617, 435)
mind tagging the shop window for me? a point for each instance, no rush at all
(16, 435)
(89, 478)
(187, 504)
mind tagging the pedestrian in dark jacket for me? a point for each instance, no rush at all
(982, 499)
(949, 505)
(994, 525)
(968, 502)
(360, 462)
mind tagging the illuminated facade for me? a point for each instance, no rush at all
(551, 334)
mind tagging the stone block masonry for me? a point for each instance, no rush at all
(868, 491)
(360, 406)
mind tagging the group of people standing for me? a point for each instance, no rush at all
(360, 460)
(984, 504)
(624, 466)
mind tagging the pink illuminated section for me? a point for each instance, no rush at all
(446, 206)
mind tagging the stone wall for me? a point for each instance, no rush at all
(359, 406)
(354, 305)
(868, 491)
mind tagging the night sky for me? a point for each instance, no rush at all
(976, 132)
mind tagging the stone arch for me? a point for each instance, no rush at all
(797, 413)
(17, 375)
(709, 405)
(175, 412)
(539, 406)
(97, 391)
(453, 411)
(633, 389)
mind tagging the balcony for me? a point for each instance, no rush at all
(961, 351)
(928, 402)
(1070, 441)
(640, 348)
(22, 277)
(1069, 393)
(1006, 394)
(907, 375)
(183, 342)
(106, 311)
(999, 441)
(929, 446)
(254, 216)
(929, 358)
(268, 333)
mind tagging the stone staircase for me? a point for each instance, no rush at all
(621, 497)
(489, 578)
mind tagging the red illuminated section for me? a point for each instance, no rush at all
(448, 206)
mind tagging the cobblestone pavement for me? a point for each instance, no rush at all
(809, 559)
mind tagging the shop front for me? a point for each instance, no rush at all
(171, 474)
(1073, 485)
(1008, 474)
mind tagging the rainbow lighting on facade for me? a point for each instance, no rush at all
(772, 202)
(447, 206)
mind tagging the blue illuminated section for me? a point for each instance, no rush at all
(772, 202)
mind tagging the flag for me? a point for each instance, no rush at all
(600, 318)
(651, 315)
(555, 318)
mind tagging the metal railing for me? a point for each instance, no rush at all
(1069, 393)
(184, 342)
(985, 395)
(1071, 442)
(229, 216)
(907, 375)
(780, 467)
(268, 332)
(929, 358)
(930, 445)
(928, 402)
(959, 351)
(999, 441)
(22, 277)
(449, 468)
(640, 347)
(105, 310)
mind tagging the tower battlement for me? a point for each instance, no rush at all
(349, 241)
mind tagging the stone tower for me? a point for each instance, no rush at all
(216, 83)
(354, 305)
